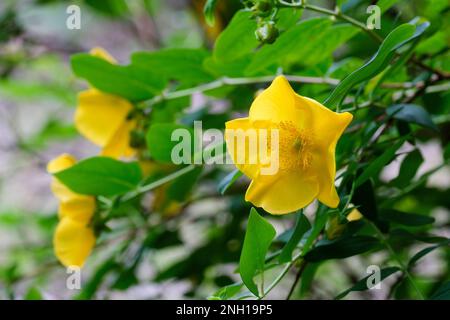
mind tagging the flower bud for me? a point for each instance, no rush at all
(267, 32)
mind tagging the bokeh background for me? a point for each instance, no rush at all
(37, 103)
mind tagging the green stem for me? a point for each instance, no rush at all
(238, 81)
(158, 183)
(399, 261)
(224, 81)
(335, 13)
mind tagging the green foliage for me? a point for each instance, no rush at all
(101, 176)
(130, 82)
(161, 142)
(342, 248)
(395, 40)
(258, 238)
(164, 223)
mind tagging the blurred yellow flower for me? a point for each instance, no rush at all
(74, 237)
(307, 136)
(103, 118)
(354, 215)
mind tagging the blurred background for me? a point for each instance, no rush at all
(37, 102)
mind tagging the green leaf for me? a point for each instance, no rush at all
(406, 219)
(130, 82)
(228, 181)
(302, 225)
(183, 65)
(233, 68)
(422, 253)
(319, 224)
(364, 198)
(341, 248)
(288, 17)
(375, 166)
(361, 285)
(296, 43)
(160, 143)
(101, 176)
(115, 8)
(411, 113)
(386, 4)
(226, 292)
(408, 169)
(443, 293)
(208, 11)
(395, 39)
(238, 38)
(33, 293)
(403, 234)
(258, 238)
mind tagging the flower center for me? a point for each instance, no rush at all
(294, 146)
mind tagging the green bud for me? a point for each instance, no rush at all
(267, 32)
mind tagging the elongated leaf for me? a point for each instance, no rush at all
(130, 82)
(161, 144)
(101, 176)
(183, 65)
(228, 181)
(342, 248)
(319, 224)
(443, 293)
(364, 198)
(238, 38)
(302, 225)
(375, 166)
(258, 238)
(395, 39)
(422, 253)
(408, 169)
(412, 113)
(361, 285)
(227, 292)
(401, 234)
(406, 219)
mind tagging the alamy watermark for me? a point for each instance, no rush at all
(73, 281)
(73, 21)
(249, 147)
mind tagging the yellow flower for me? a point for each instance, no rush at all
(308, 133)
(102, 118)
(74, 238)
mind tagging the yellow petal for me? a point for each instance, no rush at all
(237, 136)
(80, 209)
(327, 126)
(60, 163)
(280, 194)
(354, 215)
(73, 242)
(324, 169)
(276, 103)
(99, 115)
(102, 53)
(119, 144)
(63, 193)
